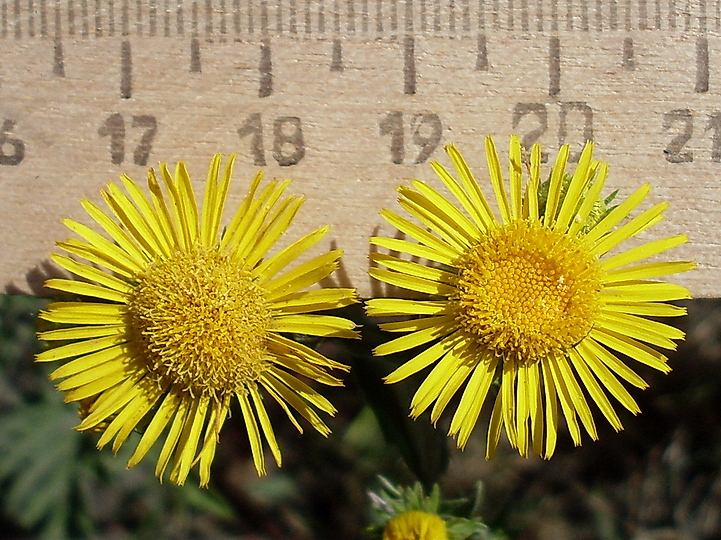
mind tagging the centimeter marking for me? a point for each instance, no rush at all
(337, 20)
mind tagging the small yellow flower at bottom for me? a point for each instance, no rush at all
(540, 299)
(180, 317)
(416, 525)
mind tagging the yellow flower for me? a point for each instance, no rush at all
(540, 299)
(181, 318)
(415, 525)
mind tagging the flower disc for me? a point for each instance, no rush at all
(526, 291)
(201, 322)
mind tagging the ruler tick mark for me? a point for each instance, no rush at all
(628, 62)
(194, 19)
(71, 17)
(306, 16)
(409, 66)
(336, 17)
(279, 16)
(482, 54)
(599, 15)
(264, 17)
(642, 15)
(58, 61)
(16, 12)
(126, 18)
(139, 17)
(336, 63)
(236, 16)
(84, 15)
(152, 18)
(539, 15)
(658, 15)
(98, 20)
(394, 18)
(251, 21)
(365, 17)
(554, 15)
(409, 16)
(31, 19)
(321, 18)
(569, 15)
(627, 16)
(350, 9)
(293, 23)
(379, 16)
(208, 19)
(554, 67)
(179, 18)
(43, 19)
(702, 74)
(195, 66)
(265, 88)
(126, 71)
(111, 18)
(166, 18)
(223, 23)
(452, 15)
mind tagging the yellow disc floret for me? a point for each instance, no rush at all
(416, 525)
(201, 321)
(527, 291)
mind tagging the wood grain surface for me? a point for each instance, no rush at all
(350, 98)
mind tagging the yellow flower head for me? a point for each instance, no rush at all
(181, 317)
(533, 297)
(416, 525)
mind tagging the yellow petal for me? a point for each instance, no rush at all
(477, 201)
(473, 397)
(265, 424)
(414, 339)
(315, 325)
(161, 417)
(494, 168)
(554, 187)
(398, 306)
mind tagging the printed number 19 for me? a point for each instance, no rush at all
(426, 130)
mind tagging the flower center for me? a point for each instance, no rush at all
(201, 322)
(416, 525)
(527, 291)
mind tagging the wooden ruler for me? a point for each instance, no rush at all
(350, 98)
